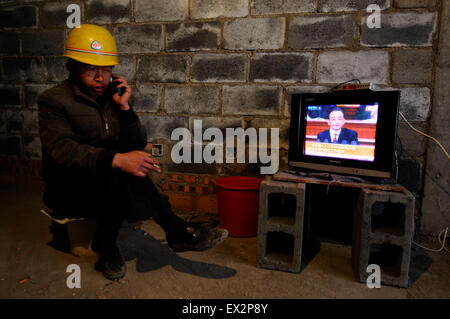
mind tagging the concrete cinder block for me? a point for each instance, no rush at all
(219, 68)
(415, 103)
(414, 144)
(55, 14)
(10, 145)
(208, 9)
(252, 100)
(112, 11)
(2, 121)
(11, 96)
(22, 121)
(341, 66)
(161, 10)
(282, 67)
(193, 36)
(163, 68)
(31, 93)
(412, 66)
(192, 100)
(322, 32)
(22, 69)
(281, 125)
(382, 234)
(126, 67)
(32, 147)
(280, 225)
(42, 43)
(415, 3)
(55, 69)
(221, 123)
(350, 5)
(146, 98)
(260, 7)
(142, 38)
(18, 16)
(254, 34)
(161, 126)
(301, 89)
(400, 29)
(9, 43)
(14, 121)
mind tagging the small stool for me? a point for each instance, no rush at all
(81, 232)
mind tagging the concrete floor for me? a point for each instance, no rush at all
(29, 268)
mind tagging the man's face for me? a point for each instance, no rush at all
(94, 79)
(336, 120)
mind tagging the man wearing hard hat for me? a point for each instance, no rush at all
(92, 159)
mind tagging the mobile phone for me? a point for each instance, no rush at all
(115, 89)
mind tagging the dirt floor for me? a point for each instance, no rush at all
(31, 268)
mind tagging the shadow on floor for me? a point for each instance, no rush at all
(419, 263)
(151, 253)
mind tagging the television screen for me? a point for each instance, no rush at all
(342, 131)
(349, 132)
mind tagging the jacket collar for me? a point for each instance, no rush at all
(80, 94)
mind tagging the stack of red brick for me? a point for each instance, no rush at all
(190, 192)
(20, 174)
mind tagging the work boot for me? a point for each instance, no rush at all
(111, 265)
(197, 238)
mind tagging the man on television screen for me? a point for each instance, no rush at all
(336, 133)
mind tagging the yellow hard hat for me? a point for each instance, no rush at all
(93, 45)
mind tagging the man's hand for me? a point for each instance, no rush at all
(122, 100)
(136, 163)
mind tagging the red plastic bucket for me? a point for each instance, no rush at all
(238, 199)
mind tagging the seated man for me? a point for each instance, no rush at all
(336, 133)
(92, 154)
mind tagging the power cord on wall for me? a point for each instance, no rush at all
(424, 134)
(445, 230)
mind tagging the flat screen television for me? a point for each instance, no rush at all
(345, 132)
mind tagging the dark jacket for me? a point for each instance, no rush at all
(79, 138)
(346, 136)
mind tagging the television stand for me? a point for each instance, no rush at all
(376, 219)
(334, 180)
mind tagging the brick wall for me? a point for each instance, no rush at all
(190, 192)
(231, 63)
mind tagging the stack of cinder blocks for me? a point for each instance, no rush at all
(383, 225)
(281, 225)
(382, 234)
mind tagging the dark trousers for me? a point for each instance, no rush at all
(113, 198)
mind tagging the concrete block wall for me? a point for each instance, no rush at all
(236, 60)
(231, 63)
